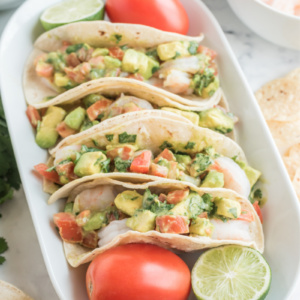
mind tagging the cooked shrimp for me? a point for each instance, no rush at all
(128, 103)
(231, 230)
(113, 229)
(66, 152)
(178, 82)
(98, 198)
(187, 64)
(234, 176)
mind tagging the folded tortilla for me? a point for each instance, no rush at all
(151, 133)
(101, 34)
(246, 233)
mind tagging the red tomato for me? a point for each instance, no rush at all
(97, 108)
(141, 163)
(66, 172)
(33, 115)
(168, 15)
(177, 196)
(138, 272)
(166, 154)
(258, 211)
(125, 152)
(116, 52)
(206, 51)
(172, 224)
(246, 215)
(42, 170)
(68, 228)
(64, 130)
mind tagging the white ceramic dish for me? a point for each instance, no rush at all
(271, 24)
(281, 213)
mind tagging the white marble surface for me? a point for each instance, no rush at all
(260, 60)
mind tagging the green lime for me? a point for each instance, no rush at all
(71, 11)
(230, 273)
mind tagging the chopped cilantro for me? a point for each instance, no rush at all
(152, 53)
(85, 149)
(193, 48)
(109, 137)
(207, 203)
(134, 198)
(124, 47)
(118, 38)
(201, 162)
(148, 199)
(190, 145)
(73, 48)
(3, 245)
(105, 165)
(154, 69)
(122, 165)
(165, 145)
(2, 259)
(258, 194)
(127, 138)
(160, 208)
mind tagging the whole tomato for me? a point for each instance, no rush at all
(168, 15)
(138, 272)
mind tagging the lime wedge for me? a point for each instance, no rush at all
(72, 11)
(230, 273)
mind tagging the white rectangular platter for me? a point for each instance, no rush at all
(281, 213)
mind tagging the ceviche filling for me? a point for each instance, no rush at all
(64, 120)
(101, 213)
(180, 67)
(206, 168)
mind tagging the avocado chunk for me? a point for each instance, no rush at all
(75, 118)
(213, 179)
(173, 50)
(128, 202)
(60, 79)
(216, 119)
(183, 159)
(251, 173)
(138, 62)
(91, 99)
(100, 52)
(90, 163)
(202, 227)
(88, 124)
(142, 221)
(111, 63)
(95, 222)
(209, 90)
(69, 207)
(228, 208)
(47, 135)
(193, 117)
(190, 207)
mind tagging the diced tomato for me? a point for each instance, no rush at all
(83, 217)
(206, 51)
(141, 163)
(116, 52)
(90, 239)
(115, 111)
(258, 211)
(42, 170)
(125, 152)
(64, 130)
(166, 154)
(172, 170)
(177, 196)
(66, 172)
(72, 60)
(157, 170)
(203, 215)
(97, 62)
(74, 74)
(65, 45)
(68, 228)
(246, 215)
(33, 115)
(136, 76)
(172, 224)
(44, 69)
(97, 108)
(162, 197)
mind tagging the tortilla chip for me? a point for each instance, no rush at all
(10, 292)
(279, 99)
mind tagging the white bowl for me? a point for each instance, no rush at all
(271, 24)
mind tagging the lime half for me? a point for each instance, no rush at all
(70, 11)
(230, 273)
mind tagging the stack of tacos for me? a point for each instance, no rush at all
(137, 115)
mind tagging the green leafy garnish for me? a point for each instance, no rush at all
(3, 248)
(190, 145)
(122, 165)
(165, 145)
(127, 138)
(109, 137)
(193, 48)
(73, 48)
(118, 38)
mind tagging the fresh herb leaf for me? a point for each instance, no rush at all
(258, 194)
(127, 138)
(233, 211)
(161, 208)
(154, 69)
(118, 38)
(193, 48)
(148, 199)
(105, 165)
(2, 259)
(73, 48)
(3, 245)
(190, 145)
(122, 165)
(165, 145)
(109, 137)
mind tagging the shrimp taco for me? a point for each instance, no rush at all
(68, 56)
(150, 148)
(108, 211)
(102, 99)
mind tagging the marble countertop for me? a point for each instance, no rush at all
(260, 60)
